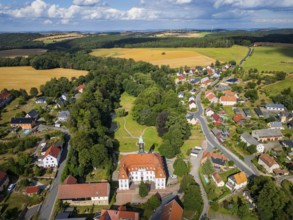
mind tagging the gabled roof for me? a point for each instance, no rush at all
(217, 177)
(218, 161)
(70, 180)
(249, 139)
(238, 117)
(3, 177)
(52, 151)
(21, 121)
(172, 211)
(269, 161)
(287, 143)
(86, 190)
(63, 114)
(5, 95)
(33, 114)
(261, 133)
(258, 111)
(240, 178)
(228, 99)
(275, 106)
(275, 124)
(118, 215)
(80, 87)
(32, 189)
(229, 93)
(216, 117)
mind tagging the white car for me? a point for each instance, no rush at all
(11, 187)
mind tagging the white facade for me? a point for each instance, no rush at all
(192, 106)
(235, 185)
(219, 184)
(50, 161)
(209, 112)
(269, 169)
(227, 103)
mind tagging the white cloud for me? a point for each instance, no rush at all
(183, 1)
(35, 9)
(47, 21)
(85, 2)
(254, 3)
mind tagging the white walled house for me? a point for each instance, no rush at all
(249, 140)
(217, 179)
(209, 112)
(52, 157)
(237, 181)
(268, 163)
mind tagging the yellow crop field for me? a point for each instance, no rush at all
(176, 57)
(26, 77)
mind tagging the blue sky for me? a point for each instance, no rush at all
(111, 15)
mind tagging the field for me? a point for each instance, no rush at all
(21, 52)
(26, 77)
(129, 130)
(191, 34)
(279, 86)
(176, 57)
(277, 58)
(59, 37)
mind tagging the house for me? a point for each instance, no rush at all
(32, 190)
(84, 194)
(63, 115)
(218, 134)
(228, 100)
(236, 111)
(192, 104)
(237, 181)
(246, 112)
(249, 140)
(80, 88)
(206, 83)
(70, 180)
(41, 100)
(275, 125)
(191, 119)
(267, 135)
(238, 119)
(258, 112)
(121, 213)
(195, 81)
(230, 93)
(207, 155)
(180, 79)
(218, 163)
(172, 211)
(268, 163)
(4, 180)
(281, 172)
(64, 96)
(217, 120)
(32, 114)
(5, 97)
(203, 80)
(181, 95)
(52, 157)
(192, 91)
(275, 107)
(287, 144)
(285, 116)
(210, 95)
(217, 179)
(209, 112)
(232, 80)
(24, 123)
(191, 98)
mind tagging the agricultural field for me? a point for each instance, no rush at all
(273, 58)
(21, 52)
(26, 77)
(189, 34)
(276, 88)
(52, 38)
(128, 130)
(176, 57)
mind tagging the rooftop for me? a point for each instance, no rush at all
(269, 161)
(53, 151)
(21, 121)
(248, 138)
(217, 177)
(267, 133)
(70, 180)
(228, 99)
(275, 106)
(240, 177)
(172, 211)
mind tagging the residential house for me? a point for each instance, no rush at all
(180, 79)
(232, 80)
(52, 157)
(285, 116)
(218, 163)
(5, 97)
(85, 194)
(218, 134)
(191, 119)
(181, 95)
(41, 100)
(281, 172)
(230, 93)
(63, 115)
(287, 144)
(217, 179)
(268, 163)
(246, 112)
(209, 112)
(32, 114)
(267, 135)
(237, 181)
(119, 214)
(32, 190)
(192, 105)
(80, 88)
(275, 125)
(206, 83)
(249, 140)
(217, 120)
(207, 155)
(195, 81)
(210, 95)
(191, 98)
(192, 91)
(238, 119)
(70, 180)
(172, 211)
(258, 112)
(275, 107)
(228, 100)
(4, 180)
(24, 123)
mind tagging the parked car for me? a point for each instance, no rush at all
(11, 187)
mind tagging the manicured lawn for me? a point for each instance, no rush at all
(224, 175)
(195, 139)
(229, 110)
(276, 88)
(89, 209)
(97, 175)
(127, 142)
(275, 58)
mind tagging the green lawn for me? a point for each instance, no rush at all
(97, 175)
(224, 175)
(276, 88)
(195, 139)
(128, 143)
(229, 111)
(276, 58)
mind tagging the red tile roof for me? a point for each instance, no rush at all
(32, 189)
(216, 117)
(150, 162)
(217, 177)
(228, 99)
(240, 177)
(80, 87)
(86, 190)
(238, 117)
(5, 95)
(53, 151)
(269, 161)
(3, 177)
(70, 180)
(229, 93)
(118, 215)
(172, 211)
(208, 154)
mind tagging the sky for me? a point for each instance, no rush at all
(126, 15)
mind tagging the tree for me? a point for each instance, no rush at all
(120, 112)
(251, 94)
(231, 163)
(217, 63)
(215, 206)
(161, 123)
(180, 167)
(34, 91)
(143, 189)
(232, 62)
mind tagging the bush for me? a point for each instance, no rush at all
(215, 206)
(120, 112)
(231, 163)
(180, 167)
(143, 189)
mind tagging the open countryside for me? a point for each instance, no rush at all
(273, 58)
(26, 77)
(176, 57)
(21, 52)
(47, 39)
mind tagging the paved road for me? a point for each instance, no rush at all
(247, 55)
(211, 140)
(48, 205)
(195, 161)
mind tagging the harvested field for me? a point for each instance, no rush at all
(26, 77)
(52, 38)
(21, 52)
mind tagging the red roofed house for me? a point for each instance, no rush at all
(269, 163)
(217, 179)
(70, 180)
(31, 190)
(52, 157)
(4, 180)
(192, 104)
(210, 95)
(217, 120)
(228, 100)
(5, 97)
(238, 118)
(80, 88)
(118, 215)
(172, 211)
(85, 194)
